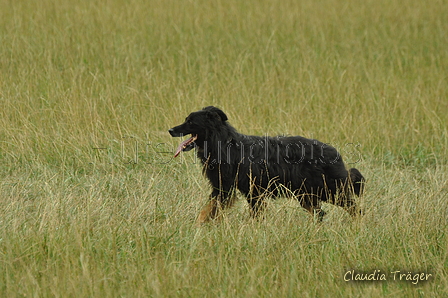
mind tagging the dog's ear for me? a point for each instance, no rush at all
(214, 112)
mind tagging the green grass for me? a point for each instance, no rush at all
(77, 76)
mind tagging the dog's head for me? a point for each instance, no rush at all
(198, 125)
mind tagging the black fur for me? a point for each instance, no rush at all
(262, 166)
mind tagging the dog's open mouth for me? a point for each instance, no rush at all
(186, 145)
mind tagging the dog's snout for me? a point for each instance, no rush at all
(173, 132)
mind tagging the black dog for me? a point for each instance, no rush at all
(263, 167)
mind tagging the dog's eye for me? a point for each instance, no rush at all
(189, 122)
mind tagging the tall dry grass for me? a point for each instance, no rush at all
(94, 205)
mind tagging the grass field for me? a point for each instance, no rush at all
(94, 205)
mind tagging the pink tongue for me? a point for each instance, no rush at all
(184, 144)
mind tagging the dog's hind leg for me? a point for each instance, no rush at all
(357, 181)
(312, 205)
(350, 206)
(345, 199)
(257, 206)
(354, 185)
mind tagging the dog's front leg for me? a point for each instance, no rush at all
(210, 211)
(214, 209)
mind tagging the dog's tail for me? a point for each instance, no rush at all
(357, 181)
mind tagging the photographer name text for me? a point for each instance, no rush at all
(394, 275)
